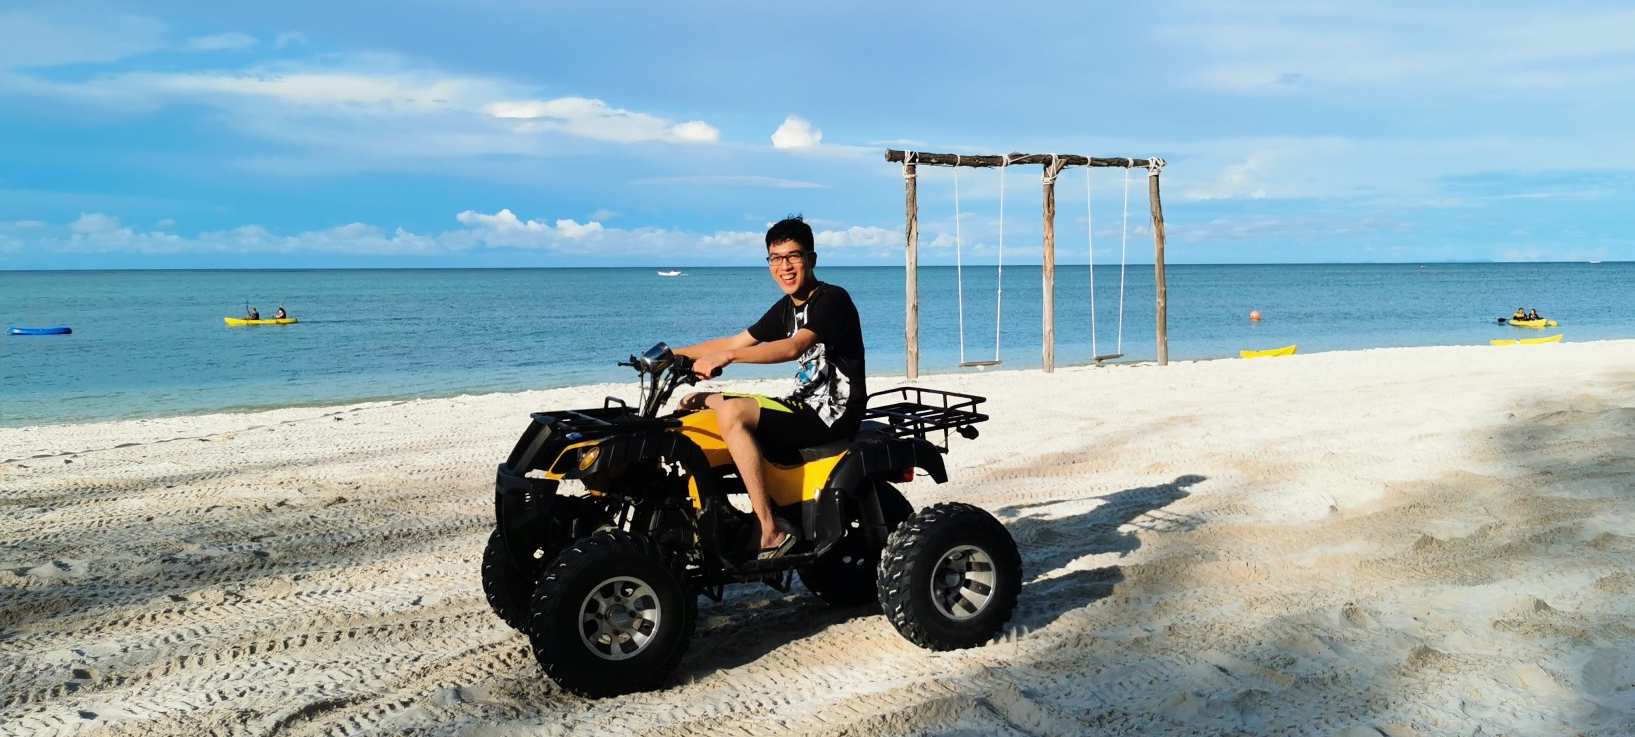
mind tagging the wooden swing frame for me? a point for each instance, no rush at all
(1053, 165)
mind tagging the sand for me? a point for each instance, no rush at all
(1425, 541)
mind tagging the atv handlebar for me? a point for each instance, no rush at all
(662, 371)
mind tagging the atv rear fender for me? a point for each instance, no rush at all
(872, 459)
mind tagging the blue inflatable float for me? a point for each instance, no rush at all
(59, 330)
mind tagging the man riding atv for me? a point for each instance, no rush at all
(813, 323)
(610, 522)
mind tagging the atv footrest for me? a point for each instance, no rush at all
(756, 570)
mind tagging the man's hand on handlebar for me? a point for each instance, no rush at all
(709, 366)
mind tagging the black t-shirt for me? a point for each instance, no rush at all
(830, 380)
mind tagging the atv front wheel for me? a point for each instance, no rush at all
(949, 577)
(846, 575)
(610, 617)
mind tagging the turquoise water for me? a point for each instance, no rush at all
(150, 343)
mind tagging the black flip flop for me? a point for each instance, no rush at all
(781, 549)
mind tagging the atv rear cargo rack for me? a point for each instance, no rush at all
(919, 411)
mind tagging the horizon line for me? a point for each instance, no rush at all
(26, 269)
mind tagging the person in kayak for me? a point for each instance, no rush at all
(1533, 314)
(280, 314)
(814, 324)
(1521, 314)
(250, 313)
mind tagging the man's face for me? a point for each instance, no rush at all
(791, 267)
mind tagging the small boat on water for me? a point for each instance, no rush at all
(239, 322)
(55, 330)
(1527, 341)
(669, 272)
(1287, 350)
(1539, 324)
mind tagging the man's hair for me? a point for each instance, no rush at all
(791, 228)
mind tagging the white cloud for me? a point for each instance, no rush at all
(289, 38)
(732, 180)
(695, 131)
(590, 118)
(502, 221)
(570, 229)
(506, 224)
(94, 223)
(796, 132)
(1339, 46)
(363, 111)
(46, 38)
(99, 233)
(353, 92)
(732, 239)
(858, 235)
(903, 143)
(222, 42)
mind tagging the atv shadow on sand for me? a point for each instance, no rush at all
(756, 623)
(1052, 542)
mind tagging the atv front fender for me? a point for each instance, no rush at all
(522, 507)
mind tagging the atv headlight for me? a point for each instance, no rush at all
(588, 456)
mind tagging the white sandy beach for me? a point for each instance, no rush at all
(1426, 541)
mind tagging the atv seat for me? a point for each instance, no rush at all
(800, 456)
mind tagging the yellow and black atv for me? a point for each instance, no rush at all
(606, 583)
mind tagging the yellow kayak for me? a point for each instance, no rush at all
(1538, 324)
(1287, 350)
(1528, 341)
(239, 322)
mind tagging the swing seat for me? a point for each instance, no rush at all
(1106, 357)
(978, 364)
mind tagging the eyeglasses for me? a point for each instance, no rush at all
(798, 257)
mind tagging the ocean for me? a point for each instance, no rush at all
(152, 343)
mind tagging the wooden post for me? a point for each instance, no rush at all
(1158, 260)
(1051, 170)
(911, 320)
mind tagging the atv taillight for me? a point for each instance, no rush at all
(906, 476)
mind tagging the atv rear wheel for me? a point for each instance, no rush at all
(949, 577)
(507, 582)
(846, 576)
(609, 616)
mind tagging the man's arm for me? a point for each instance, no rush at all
(776, 351)
(717, 345)
(772, 351)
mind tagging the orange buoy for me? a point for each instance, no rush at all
(1254, 315)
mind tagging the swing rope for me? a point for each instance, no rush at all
(1090, 232)
(999, 271)
(1123, 241)
(1123, 250)
(959, 263)
(959, 269)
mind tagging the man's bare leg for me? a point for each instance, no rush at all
(737, 418)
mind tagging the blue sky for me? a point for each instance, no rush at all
(528, 134)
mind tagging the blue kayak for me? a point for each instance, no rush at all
(59, 330)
